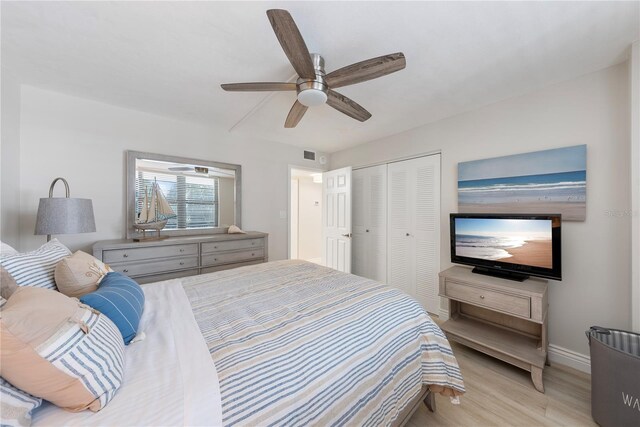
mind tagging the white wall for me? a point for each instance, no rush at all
(85, 142)
(309, 219)
(592, 110)
(9, 155)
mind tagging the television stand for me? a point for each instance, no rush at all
(499, 317)
(518, 277)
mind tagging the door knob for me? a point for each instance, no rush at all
(347, 235)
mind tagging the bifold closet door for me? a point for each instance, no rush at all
(370, 222)
(414, 228)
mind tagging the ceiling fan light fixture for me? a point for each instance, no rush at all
(312, 97)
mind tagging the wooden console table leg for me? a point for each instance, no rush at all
(536, 377)
(430, 401)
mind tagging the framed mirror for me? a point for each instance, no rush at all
(193, 196)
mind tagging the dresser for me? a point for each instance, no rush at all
(152, 261)
(499, 317)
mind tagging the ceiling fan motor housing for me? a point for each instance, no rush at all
(313, 92)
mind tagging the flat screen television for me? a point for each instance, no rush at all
(513, 246)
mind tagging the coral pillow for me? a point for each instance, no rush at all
(79, 274)
(122, 300)
(53, 347)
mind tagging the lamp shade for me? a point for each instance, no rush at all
(64, 215)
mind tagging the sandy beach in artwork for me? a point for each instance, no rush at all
(573, 211)
(534, 252)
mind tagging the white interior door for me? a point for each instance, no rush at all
(336, 219)
(293, 214)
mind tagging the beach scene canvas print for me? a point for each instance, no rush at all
(549, 181)
(517, 241)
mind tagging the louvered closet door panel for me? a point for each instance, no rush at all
(400, 247)
(427, 230)
(377, 223)
(359, 250)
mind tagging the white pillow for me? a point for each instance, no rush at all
(6, 250)
(17, 405)
(36, 268)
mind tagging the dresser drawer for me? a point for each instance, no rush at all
(135, 254)
(231, 257)
(166, 276)
(154, 267)
(512, 304)
(232, 245)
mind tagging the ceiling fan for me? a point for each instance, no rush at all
(313, 86)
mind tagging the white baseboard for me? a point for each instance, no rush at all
(573, 359)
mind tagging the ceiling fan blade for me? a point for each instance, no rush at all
(257, 87)
(292, 42)
(366, 70)
(347, 106)
(295, 114)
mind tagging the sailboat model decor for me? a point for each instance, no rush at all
(154, 214)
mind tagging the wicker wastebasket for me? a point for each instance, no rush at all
(615, 377)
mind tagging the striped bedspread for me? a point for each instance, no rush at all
(295, 343)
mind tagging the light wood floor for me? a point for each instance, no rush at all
(499, 394)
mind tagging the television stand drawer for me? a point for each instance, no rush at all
(507, 303)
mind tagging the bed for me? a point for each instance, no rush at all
(292, 343)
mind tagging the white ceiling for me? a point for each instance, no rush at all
(170, 58)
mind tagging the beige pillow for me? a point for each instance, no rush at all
(54, 347)
(79, 274)
(7, 283)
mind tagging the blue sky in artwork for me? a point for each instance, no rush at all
(480, 226)
(567, 159)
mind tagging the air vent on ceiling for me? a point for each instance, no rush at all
(309, 155)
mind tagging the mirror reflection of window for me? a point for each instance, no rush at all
(200, 196)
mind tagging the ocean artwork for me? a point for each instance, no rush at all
(550, 181)
(520, 241)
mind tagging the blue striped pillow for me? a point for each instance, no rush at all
(36, 268)
(120, 299)
(17, 405)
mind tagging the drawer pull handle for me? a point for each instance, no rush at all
(366, 231)
(481, 296)
(125, 271)
(215, 259)
(253, 254)
(408, 234)
(125, 256)
(253, 243)
(181, 263)
(215, 247)
(181, 250)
